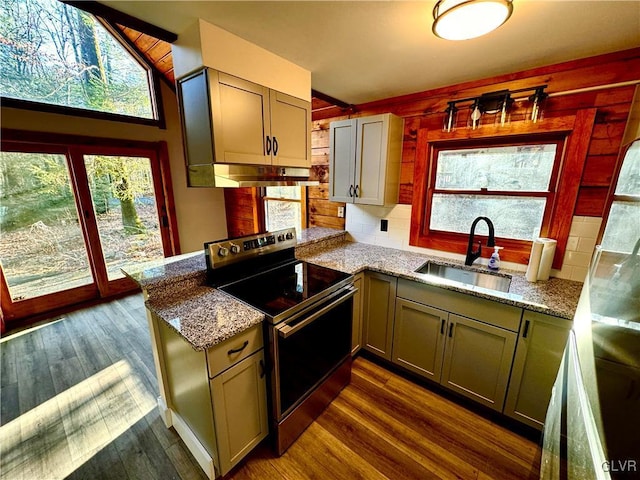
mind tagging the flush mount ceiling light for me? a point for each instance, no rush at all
(464, 19)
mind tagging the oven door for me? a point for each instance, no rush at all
(309, 346)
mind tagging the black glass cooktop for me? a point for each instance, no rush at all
(276, 291)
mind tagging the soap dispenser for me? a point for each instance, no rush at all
(494, 261)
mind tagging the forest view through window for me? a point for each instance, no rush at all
(56, 54)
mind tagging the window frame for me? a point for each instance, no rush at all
(302, 201)
(549, 195)
(576, 133)
(74, 147)
(612, 197)
(153, 81)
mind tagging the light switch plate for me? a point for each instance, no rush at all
(340, 212)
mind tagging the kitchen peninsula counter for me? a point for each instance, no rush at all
(176, 291)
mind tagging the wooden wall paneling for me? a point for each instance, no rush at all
(584, 73)
(598, 171)
(567, 189)
(591, 201)
(242, 208)
(321, 211)
(424, 110)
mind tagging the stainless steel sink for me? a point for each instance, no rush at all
(490, 281)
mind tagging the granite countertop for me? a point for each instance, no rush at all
(178, 294)
(555, 296)
(203, 315)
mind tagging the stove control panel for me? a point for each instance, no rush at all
(234, 250)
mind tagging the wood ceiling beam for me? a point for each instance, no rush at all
(116, 16)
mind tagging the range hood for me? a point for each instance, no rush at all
(233, 175)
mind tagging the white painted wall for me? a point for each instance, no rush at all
(200, 212)
(363, 225)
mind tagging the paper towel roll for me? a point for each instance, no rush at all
(534, 260)
(548, 252)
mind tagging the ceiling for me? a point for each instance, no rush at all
(365, 51)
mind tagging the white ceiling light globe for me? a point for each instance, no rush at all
(465, 19)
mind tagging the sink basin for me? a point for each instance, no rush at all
(490, 281)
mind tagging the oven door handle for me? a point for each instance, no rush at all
(286, 330)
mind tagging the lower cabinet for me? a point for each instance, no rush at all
(464, 355)
(477, 360)
(240, 409)
(217, 398)
(419, 338)
(538, 355)
(379, 306)
(356, 331)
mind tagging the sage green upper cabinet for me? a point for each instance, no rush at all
(379, 303)
(364, 159)
(290, 130)
(538, 356)
(240, 111)
(227, 119)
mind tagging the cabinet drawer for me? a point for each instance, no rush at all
(488, 311)
(231, 351)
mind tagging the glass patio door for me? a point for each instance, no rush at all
(72, 217)
(42, 247)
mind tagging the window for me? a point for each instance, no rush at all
(73, 212)
(54, 54)
(623, 222)
(284, 207)
(512, 185)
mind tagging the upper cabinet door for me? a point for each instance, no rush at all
(240, 111)
(371, 155)
(342, 145)
(290, 130)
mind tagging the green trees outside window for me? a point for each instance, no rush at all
(56, 54)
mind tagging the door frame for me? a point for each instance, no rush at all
(74, 148)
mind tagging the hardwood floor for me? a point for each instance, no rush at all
(78, 400)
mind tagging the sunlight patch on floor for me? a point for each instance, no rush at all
(58, 436)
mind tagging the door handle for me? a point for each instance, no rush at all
(450, 330)
(268, 145)
(275, 146)
(351, 190)
(239, 349)
(525, 331)
(442, 326)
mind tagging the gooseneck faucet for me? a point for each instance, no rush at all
(471, 255)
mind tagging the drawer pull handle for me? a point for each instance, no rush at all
(450, 330)
(442, 326)
(237, 350)
(351, 190)
(268, 146)
(526, 329)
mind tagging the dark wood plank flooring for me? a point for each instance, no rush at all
(78, 400)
